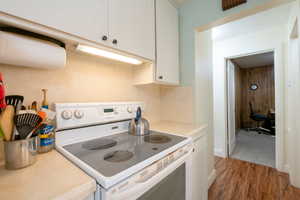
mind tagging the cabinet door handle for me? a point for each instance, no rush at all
(115, 41)
(104, 37)
(160, 77)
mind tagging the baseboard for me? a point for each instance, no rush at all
(212, 177)
(286, 168)
(219, 152)
(233, 143)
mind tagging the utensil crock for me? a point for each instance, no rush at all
(20, 153)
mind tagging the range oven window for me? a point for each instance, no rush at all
(170, 188)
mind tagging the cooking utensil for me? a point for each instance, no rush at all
(45, 102)
(27, 111)
(7, 122)
(42, 114)
(14, 100)
(34, 132)
(18, 109)
(26, 124)
(2, 93)
(1, 133)
(139, 126)
(30, 134)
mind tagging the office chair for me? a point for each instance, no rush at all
(263, 122)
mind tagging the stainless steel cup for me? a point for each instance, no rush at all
(20, 153)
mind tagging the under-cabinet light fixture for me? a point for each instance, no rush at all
(107, 54)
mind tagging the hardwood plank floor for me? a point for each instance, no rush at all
(240, 180)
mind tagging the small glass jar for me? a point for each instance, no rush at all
(46, 139)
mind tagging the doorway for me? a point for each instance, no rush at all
(251, 108)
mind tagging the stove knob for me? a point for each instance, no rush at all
(129, 109)
(66, 114)
(78, 114)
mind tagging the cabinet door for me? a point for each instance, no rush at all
(132, 24)
(199, 170)
(167, 58)
(87, 19)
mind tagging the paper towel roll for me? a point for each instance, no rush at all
(25, 51)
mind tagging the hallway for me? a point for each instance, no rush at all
(240, 180)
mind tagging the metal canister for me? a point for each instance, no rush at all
(20, 153)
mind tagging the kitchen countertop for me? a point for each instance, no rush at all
(55, 177)
(177, 128)
(51, 177)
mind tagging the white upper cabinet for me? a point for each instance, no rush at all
(127, 25)
(132, 26)
(145, 28)
(167, 43)
(87, 19)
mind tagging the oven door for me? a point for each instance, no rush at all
(171, 187)
(171, 183)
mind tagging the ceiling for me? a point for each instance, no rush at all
(257, 60)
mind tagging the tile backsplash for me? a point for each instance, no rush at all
(84, 79)
(177, 104)
(87, 78)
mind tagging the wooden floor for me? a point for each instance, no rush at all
(240, 180)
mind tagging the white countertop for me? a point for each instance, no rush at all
(51, 177)
(177, 128)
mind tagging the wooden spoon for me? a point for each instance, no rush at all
(7, 122)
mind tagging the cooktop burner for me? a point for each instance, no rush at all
(157, 139)
(118, 156)
(98, 144)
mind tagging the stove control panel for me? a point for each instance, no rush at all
(72, 115)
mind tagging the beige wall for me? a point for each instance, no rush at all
(90, 79)
(177, 104)
(85, 78)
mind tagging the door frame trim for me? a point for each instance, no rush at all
(279, 101)
(227, 147)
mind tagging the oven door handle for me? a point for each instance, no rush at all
(139, 187)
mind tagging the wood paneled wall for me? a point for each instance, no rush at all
(262, 99)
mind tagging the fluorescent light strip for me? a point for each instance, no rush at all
(107, 54)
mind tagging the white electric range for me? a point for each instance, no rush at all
(94, 136)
